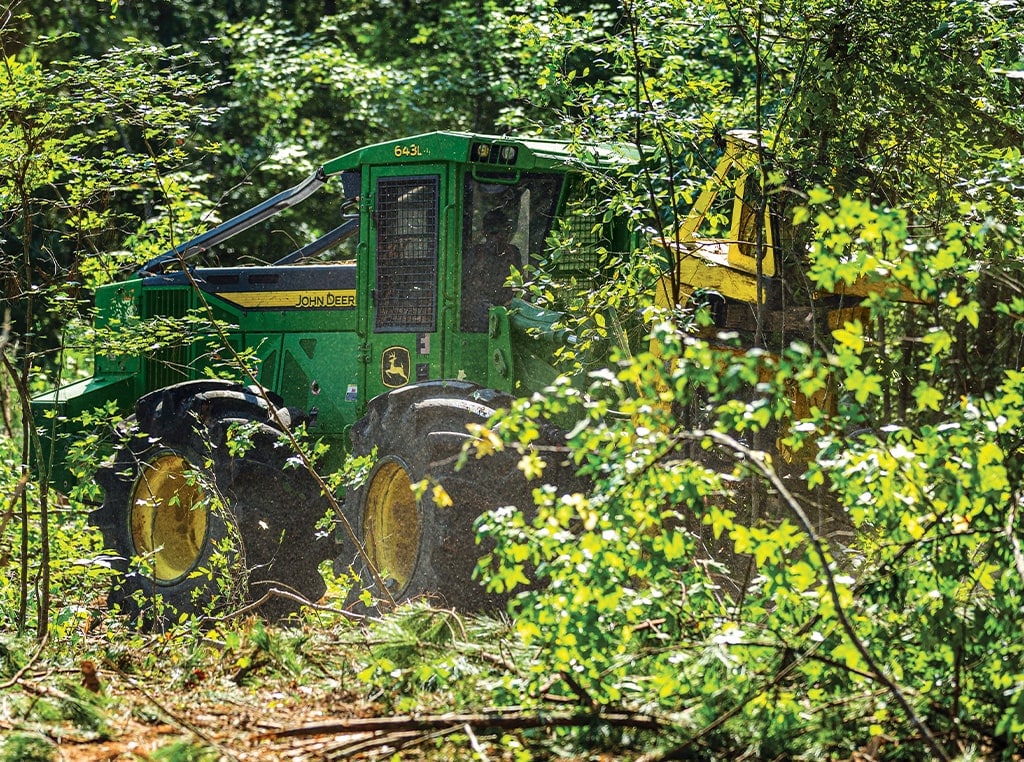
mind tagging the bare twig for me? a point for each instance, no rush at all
(5, 329)
(1018, 554)
(276, 592)
(363, 745)
(396, 742)
(581, 692)
(35, 656)
(174, 718)
(12, 508)
(474, 742)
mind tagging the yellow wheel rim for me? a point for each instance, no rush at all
(391, 524)
(168, 517)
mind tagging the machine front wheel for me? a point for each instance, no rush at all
(419, 544)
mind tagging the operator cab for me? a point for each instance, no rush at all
(505, 223)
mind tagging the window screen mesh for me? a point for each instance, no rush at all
(407, 237)
(587, 240)
(582, 238)
(583, 243)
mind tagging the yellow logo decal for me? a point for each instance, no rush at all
(394, 367)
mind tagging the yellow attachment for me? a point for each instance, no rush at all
(168, 517)
(391, 523)
(726, 264)
(736, 170)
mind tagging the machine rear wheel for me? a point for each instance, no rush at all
(202, 528)
(168, 515)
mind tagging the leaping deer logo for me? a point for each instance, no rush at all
(394, 367)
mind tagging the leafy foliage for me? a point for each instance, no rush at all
(865, 594)
(704, 576)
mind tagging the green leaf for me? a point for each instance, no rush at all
(927, 396)
(854, 339)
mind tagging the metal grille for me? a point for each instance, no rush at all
(585, 245)
(407, 236)
(166, 365)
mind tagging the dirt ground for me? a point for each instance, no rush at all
(231, 723)
(288, 693)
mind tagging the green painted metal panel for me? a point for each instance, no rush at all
(322, 371)
(330, 336)
(117, 306)
(55, 415)
(483, 151)
(408, 214)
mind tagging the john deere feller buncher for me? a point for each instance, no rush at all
(392, 354)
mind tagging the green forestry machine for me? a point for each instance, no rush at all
(392, 351)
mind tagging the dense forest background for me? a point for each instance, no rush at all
(868, 603)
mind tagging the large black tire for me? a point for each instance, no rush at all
(214, 530)
(418, 547)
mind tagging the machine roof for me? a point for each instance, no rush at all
(522, 152)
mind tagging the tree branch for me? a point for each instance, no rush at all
(477, 722)
(760, 463)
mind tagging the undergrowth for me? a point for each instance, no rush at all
(168, 691)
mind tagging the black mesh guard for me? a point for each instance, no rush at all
(407, 241)
(587, 246)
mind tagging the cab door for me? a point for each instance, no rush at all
(403, 316)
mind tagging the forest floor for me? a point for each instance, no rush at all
(217, 723)
(225, 722)
(417, 685)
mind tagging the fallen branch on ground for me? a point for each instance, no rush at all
(477, 722)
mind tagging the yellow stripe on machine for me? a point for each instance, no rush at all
(309, 300)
